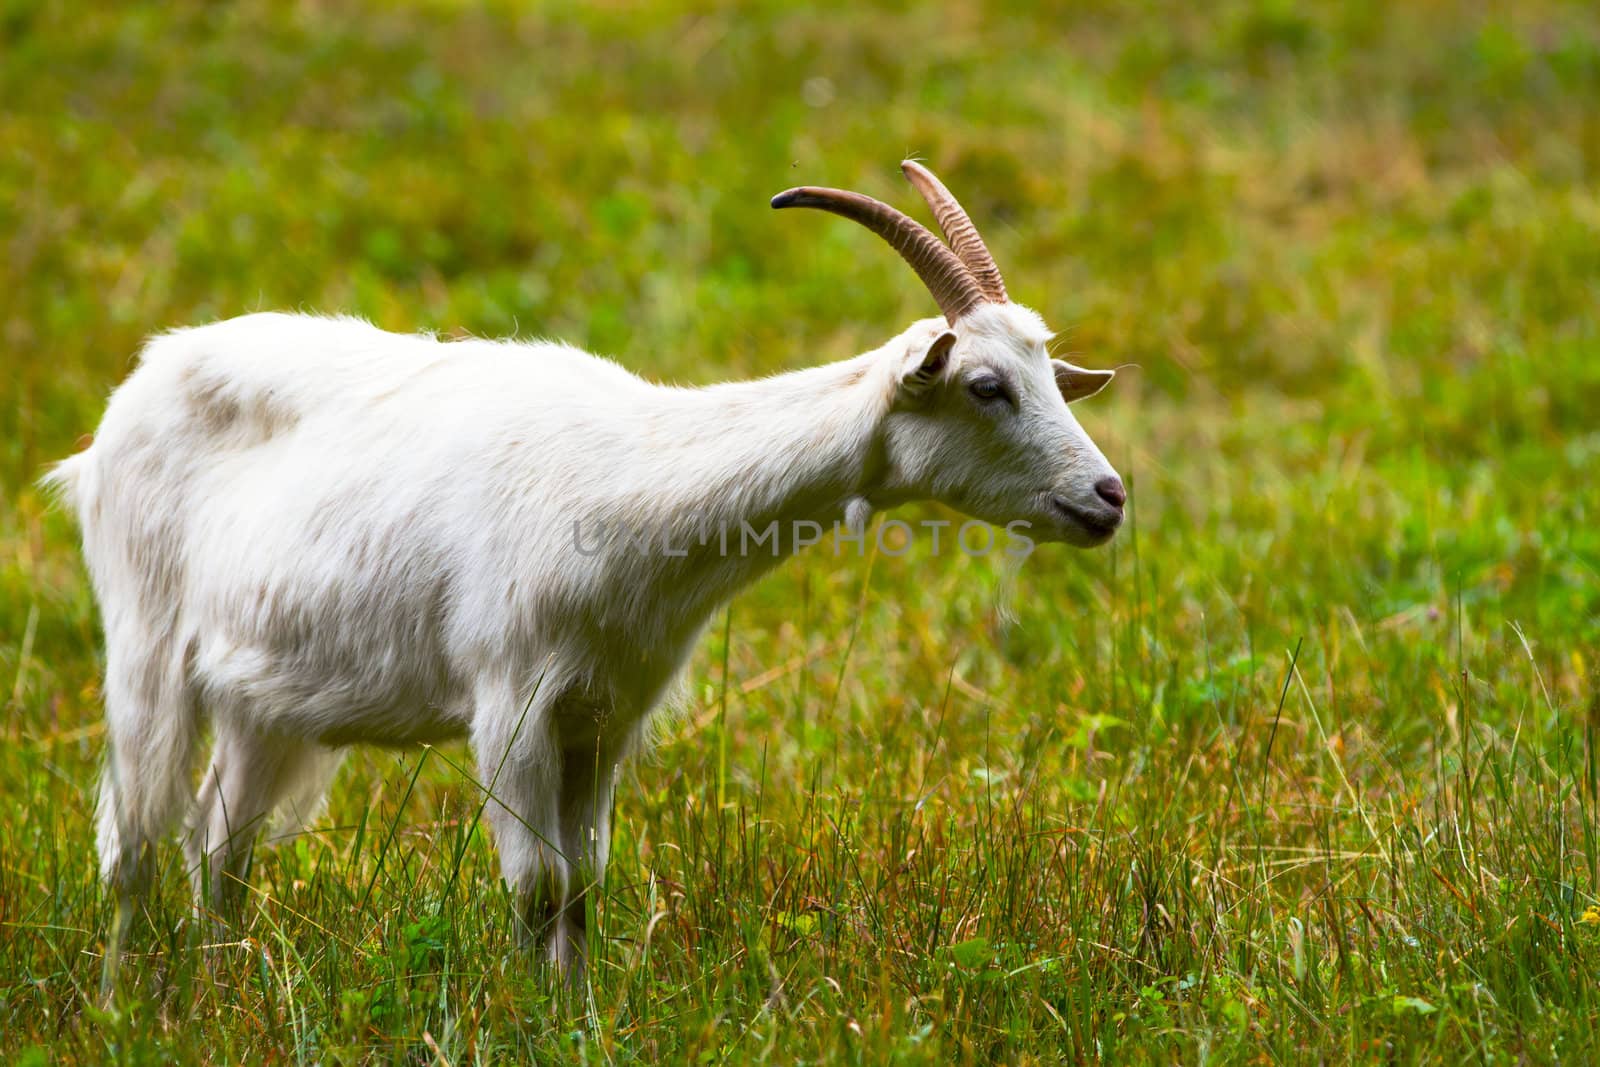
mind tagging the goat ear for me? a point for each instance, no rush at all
(1076, 382)
(925, 366)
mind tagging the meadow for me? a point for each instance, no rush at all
(1301, 768)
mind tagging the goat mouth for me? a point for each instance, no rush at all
(1097, 523)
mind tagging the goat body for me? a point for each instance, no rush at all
(318, 534)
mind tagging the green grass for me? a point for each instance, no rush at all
(1303, 768)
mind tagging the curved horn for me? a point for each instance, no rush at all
(958, 230)
(946, 277)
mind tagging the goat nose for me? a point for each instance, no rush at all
(1111, 491)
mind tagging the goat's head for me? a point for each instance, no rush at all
(979, 418)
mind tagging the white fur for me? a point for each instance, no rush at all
(313, 533)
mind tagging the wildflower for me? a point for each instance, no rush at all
(1591, 916)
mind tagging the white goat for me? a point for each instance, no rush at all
(312, 533)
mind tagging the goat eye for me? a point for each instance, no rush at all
(987, 389)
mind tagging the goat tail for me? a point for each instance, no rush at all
(66, 482)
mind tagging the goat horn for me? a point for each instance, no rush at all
(958, 230)
(946, 277)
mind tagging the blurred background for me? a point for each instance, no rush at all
(1346, 252)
